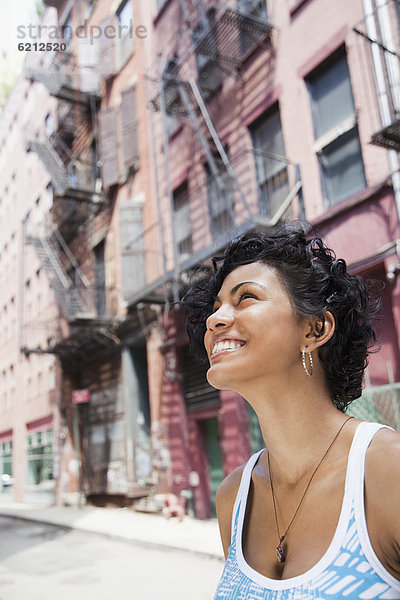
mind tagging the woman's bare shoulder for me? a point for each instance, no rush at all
(384, 453)
(383, 478)
(225, 500)
(229, 487)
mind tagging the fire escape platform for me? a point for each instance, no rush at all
(89, 338)
(62, 87)
(388, 137)
(224, 47)
(233, 36)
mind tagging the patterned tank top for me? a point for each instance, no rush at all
(349, 569)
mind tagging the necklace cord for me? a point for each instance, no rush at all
(281, 538)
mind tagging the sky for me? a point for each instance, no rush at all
(12, 14)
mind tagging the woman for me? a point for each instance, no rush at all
(288, 328)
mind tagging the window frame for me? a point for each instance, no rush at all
(181, 200)
(262, 191)
(340, 131)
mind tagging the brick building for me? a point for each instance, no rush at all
(30, 383)
(194, 122)
(262, 111)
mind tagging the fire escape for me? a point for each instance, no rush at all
(381, 29)
(213, 47)
(77, 198)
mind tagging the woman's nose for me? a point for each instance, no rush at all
(220, 318)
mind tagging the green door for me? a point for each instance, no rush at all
(214, 458)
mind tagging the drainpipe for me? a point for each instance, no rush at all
(384, 101)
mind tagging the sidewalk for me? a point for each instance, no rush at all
(124, 523)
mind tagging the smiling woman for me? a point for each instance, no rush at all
(282, 322)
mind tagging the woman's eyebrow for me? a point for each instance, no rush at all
(236, 287)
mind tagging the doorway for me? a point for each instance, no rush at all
(214, 456)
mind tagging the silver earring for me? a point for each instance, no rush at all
(303, 358)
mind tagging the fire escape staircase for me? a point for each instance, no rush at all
(73, 297)
(221, 41)
(73, 179)
(60, 80)
(65, 182)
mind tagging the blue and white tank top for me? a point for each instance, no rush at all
(349, 569)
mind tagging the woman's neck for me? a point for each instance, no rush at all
(297, 426)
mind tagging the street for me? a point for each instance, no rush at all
(42, 562)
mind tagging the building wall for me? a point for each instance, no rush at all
(136, 226)
(29, 384)
(362, 228)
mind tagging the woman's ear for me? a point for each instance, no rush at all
(319, 331)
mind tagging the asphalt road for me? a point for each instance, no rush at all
(42, 562)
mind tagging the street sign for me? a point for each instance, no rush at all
(80, 396)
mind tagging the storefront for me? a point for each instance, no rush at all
(6, 448)
(40, 482)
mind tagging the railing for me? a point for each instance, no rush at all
(379, 404)
(220, 39)
(66, 78)
(220, 202)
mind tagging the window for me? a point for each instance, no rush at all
(49, 126)
(5, 465)
(100, 275)
(220, 199)
(67, 31)
(210, 74)
(124, 47)
(52, 376)
(49, 197)
(256, 8)
(40, 457)
(336, 133)
(271, 165)
(132, 246)
(182, 224)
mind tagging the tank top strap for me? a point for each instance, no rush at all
(243, 491)
(363, 437)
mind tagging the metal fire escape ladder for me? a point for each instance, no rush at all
(59, 279)
(71, 295)
(197, 34)
(52, 163)
(217, 142)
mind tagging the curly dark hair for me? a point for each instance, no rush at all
(316, 282)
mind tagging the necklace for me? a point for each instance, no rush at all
(279, 550)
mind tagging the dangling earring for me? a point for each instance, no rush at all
(303, 358)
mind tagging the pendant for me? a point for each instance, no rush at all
(280, 554)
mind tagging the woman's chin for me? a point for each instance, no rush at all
(219, 383)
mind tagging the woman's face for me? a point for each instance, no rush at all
(253, 334)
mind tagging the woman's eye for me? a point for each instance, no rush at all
(246, 295)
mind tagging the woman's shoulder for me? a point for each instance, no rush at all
(382, 479)
(384, 452)
(225, 501)
(228, 489)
